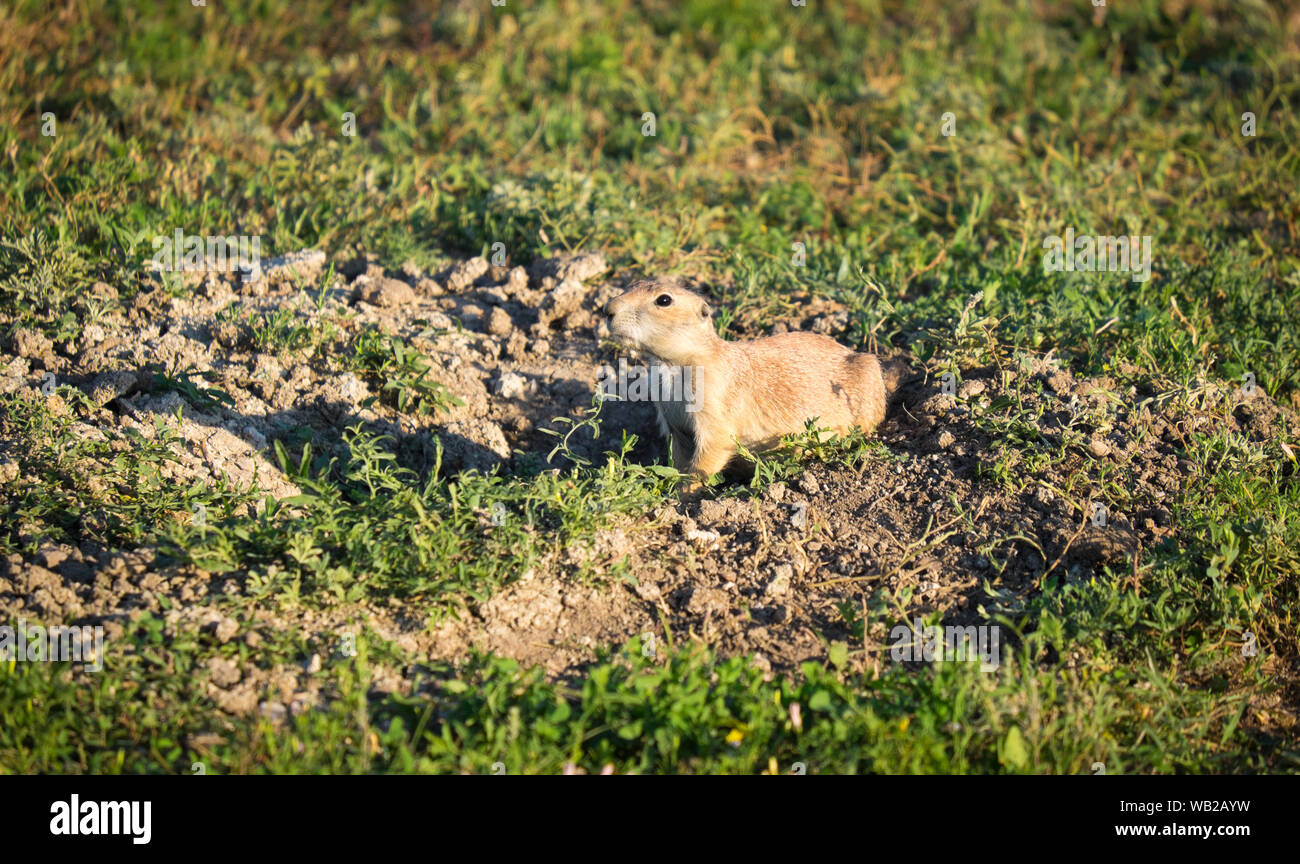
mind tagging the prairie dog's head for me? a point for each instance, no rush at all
(660, 317)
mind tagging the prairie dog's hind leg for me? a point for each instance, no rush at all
(869, 410)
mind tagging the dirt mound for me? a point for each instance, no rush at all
(976, 494)
(929, 525)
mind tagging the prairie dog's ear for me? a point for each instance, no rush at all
(705, 310)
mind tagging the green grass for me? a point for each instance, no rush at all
(775, 125)
(403, 374)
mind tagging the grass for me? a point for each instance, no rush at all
(775, 125)
(404, 371)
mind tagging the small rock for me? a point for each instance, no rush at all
(225, 629)
(466, 273)
(703, 539)
(254, 437)
(51, 557)
(808, 484)
(938, 406)
(712, 512)
(829, 324)
(493, 295)
(206, 740)
(429, 287)
(1098, 447)
(517, 346)
(647, 591)
(579, 319)
(240, 701)
(1060, 383)
(516, 282)
(227, 334)
(511, 385)
(780, 584)
(582, 266)
(110, 385)
(705, 600)
(351, 388)
(307, 265)
(566, 298)
(32, 344)
(475, 444)
(946, 439)
(1110, 545)
(225, 673)
(472, 315)
(499, 323)
(799, 515)
(91, 335)
(382, 291)
(273, 711)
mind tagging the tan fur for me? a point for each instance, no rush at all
(753, 391)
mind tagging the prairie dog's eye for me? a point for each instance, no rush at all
(664, 300)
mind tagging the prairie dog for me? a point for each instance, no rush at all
(753, 391)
